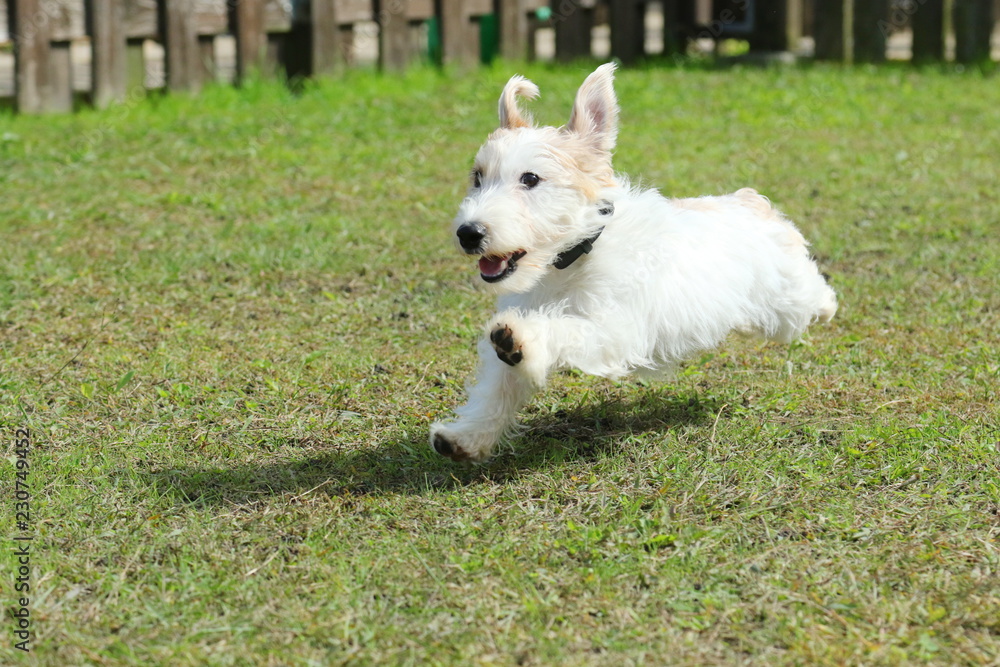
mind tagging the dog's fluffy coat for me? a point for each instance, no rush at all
(666, 278)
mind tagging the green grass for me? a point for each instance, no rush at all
(229, 321)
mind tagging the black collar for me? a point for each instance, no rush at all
(567, 257)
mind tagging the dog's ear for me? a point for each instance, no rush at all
(595, 111)
(510, 114)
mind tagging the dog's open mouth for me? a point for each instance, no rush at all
(494, 269)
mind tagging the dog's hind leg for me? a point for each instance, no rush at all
(488, 416)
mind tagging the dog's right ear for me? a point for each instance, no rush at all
(510, 114)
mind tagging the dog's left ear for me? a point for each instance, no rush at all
(595, 111)
(510, 115)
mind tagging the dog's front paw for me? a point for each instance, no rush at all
(457, 446)
(444, 446)
(507, 347)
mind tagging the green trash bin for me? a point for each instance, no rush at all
(434, 40)
(489, 38)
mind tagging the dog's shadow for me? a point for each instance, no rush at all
(407, 465)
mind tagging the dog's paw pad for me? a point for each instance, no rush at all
(507, 347)
(444, 447)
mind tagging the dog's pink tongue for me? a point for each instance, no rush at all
(490, 266)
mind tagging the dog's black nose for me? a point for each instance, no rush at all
(470, 236)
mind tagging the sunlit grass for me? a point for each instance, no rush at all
(229, 321)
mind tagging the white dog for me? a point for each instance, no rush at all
(596, 275)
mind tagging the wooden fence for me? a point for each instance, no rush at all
(308, 37)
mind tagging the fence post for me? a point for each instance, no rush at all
(628, 30)
(206, 63)
(928, 31)
(778, 25)
(106, 26)
(514, 28)
(829, 33)
(973, 21)
(674, 42)
(135, 66)
(60, 77)
(459, 42)
(573, 20)
(247, 25)
(393, 34)
(182, 52)
(327, 49)
(30, 29)
(869, 38)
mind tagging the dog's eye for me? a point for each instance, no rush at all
(477, 178)
(530, 180)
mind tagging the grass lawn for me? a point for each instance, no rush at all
(229, 321)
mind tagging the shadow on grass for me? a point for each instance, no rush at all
(409, 466)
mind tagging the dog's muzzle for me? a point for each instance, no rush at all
(470, 237)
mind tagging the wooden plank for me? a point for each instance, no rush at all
(928, 31)
(459, 41)
(210, 17)
(394, 34)
(409, 10)
(142, 19)
(105, 21)
(419, 10)
(347, 45)
(628, 30)
(778, 25)
(275, 52)
(320, 39)
(674, 39)
(327, 45)
(277, 16)
(534, 25)
(180, 44)
(65, 19)
(796, 11)
(478, 7)
(828, 30)
(206, 58)
(973, 21)
(869, 36)
(60, 98)
(31, 57)
(350, 12)
(135, 68)
(247, 25)
(514, 29)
